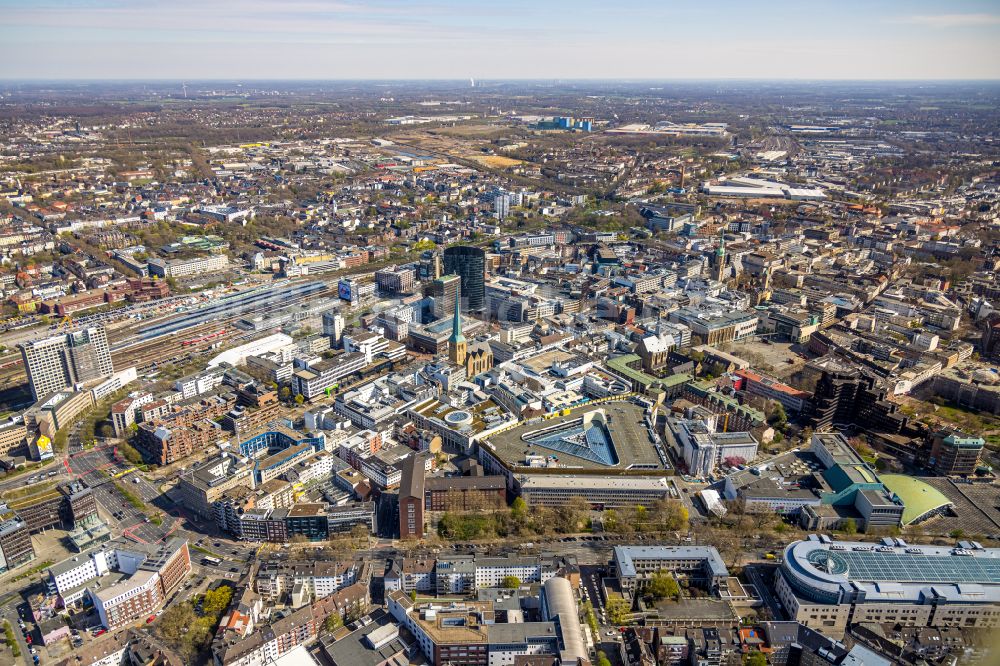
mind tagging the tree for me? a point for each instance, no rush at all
(285, 393)
(360, 533)
(778, 418)
(587, 609)
(299, 399)
(640, 517)
(510, 582)
(662, 585)
(217, 600)
(333, 622)
(755, 659)
(602, 659)
(519, 509)
(671, 514)
(850, 526)
(130, 453)
(174, 622)
(619, 610)
(568, 516)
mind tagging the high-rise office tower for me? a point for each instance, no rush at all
(62, 360)
(469, 263)
(444, 291)
(333, 327)
(845, 396)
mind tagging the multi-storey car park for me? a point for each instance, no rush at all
(828, 585)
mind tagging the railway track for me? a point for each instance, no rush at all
(127, 350)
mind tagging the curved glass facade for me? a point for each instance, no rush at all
(469, 263)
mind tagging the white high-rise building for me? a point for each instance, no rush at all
(501, 205)
(333, 326)
(63, 360)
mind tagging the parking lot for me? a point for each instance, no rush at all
(783, 358)
(976, 509)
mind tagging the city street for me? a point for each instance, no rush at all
(9, 613)
(762, 578)
(590, 580)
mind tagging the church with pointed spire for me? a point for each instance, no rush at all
(477, 359)
(719, 272)
(456, 343)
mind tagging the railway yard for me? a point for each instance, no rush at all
(194, 331)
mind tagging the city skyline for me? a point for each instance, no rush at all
(321, 40)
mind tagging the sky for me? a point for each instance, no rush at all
(501, 39)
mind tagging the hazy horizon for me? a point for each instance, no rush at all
(487, 82)
(394, 40)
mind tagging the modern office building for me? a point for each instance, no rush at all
(123, 581)
(601, 492)
(444, 290)
(317, 377)
(469, 263)
(828, 585)
(15, 544)
(60, 361)
(845, 396)
(395, 280)
(176, 268)
(471, 634)
(705, 449)
(411, 498)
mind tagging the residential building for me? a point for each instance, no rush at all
(955, 453)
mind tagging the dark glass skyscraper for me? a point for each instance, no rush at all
(469, 263)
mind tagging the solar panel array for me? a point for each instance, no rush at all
(914, 568)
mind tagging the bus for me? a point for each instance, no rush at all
(214, 561)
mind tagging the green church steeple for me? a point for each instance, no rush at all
(456, 324)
